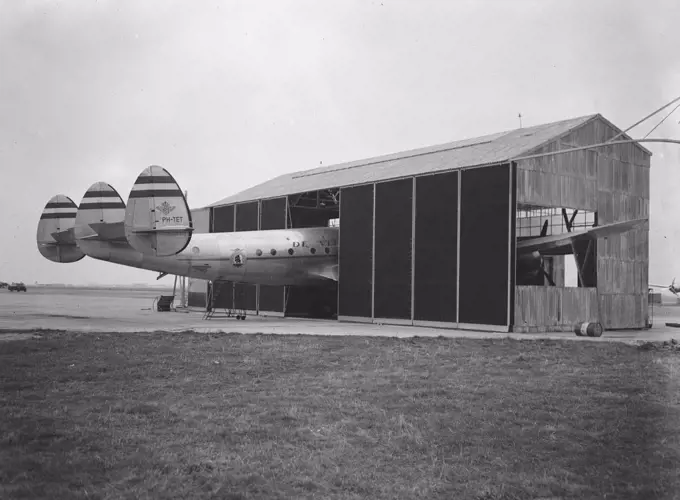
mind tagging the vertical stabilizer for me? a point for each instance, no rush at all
(101, 214)
(157, 217)
(55, 237)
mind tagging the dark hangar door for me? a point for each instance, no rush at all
(272, 216)
(436, 248)
(247, 216)
(484, 245)
(355, 287)
(393, 232)
(222, 219)
(222, 295)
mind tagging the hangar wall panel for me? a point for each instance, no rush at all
(271, 298)
(247, 216)
(553, 309)
(436, 248)
(223, 294)
(273, 214)
(356, 252)
(484, 245)
(223, 219)
(245, 296)
(393, 232)
(197, 289)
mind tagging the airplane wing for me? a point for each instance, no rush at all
(109, 231)
(560, 244)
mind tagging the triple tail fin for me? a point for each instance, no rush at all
(101, 214)
(55, 236)
(157, 217)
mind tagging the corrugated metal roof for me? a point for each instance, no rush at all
(485, 150)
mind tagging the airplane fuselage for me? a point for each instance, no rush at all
(275, 257)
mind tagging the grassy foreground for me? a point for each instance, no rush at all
(237, 417)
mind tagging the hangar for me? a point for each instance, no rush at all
(428, 236)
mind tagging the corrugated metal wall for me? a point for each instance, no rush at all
(614, 181)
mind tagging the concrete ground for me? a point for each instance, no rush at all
(126, 310)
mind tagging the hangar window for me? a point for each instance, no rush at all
(564, 265)
(334, 222)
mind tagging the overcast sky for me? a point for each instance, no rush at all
(227, 94)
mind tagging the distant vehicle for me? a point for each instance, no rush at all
(3, 284)
(17, 287)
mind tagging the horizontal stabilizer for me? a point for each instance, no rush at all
(55, 237)
(560, 244)
(65, 237)
(157, 218)
(109, 232)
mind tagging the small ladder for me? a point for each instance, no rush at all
(224, 312)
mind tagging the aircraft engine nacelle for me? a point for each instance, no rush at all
(157, 217)
(55, 238)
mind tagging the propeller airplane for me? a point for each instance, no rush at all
(155, 231)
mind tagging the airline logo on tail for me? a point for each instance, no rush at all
(165, 208)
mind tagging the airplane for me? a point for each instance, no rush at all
(672, 288)
(154, 231)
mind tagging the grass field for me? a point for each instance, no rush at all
(237, 417)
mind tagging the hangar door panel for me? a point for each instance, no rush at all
(356, 251)
(223, 219)
(271, 298)
(272, 216)
(393, 231)
(436, 248)
(246, 216)
(484, 246)
(245, 296)
(222, 295)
